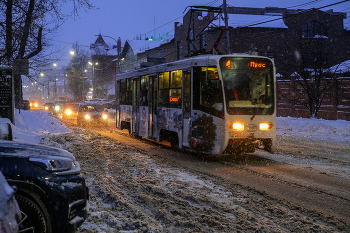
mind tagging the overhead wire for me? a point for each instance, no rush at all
(269, 34)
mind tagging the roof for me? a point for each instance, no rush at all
(342, 67)
(241, 20)
(140, 46)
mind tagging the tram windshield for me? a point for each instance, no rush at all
(248, 85)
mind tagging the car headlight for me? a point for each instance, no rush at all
(68, 111)
(53, 164)
(104, 116)
(36, 105)
(57, 108)
(238, 126)
(46, 108)
(87, 116)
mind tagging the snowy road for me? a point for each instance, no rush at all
(138, 186)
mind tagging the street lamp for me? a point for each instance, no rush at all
(55, 65)
(93, 64)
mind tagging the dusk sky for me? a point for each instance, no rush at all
(128, 19)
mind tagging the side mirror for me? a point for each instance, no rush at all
(6, 131)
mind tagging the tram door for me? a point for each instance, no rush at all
(117, 114)
(186, 108)
(153, 81)
(136, 106)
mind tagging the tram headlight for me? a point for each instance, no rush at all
(87, 116)
(238, 126)
(265, 126)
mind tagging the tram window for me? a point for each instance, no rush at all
(164, 80)
(128, 97)
(144, 91)
(207, 91)
(170, 84)
(163, 97)
(122, 94)
(176, 79)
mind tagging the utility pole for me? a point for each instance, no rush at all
(228, 49)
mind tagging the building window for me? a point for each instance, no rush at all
(314, 29)
(203, 41)
(179, 50)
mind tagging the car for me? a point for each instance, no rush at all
(58, 107)
(51, 193)
(110, 104)
(70, 111)
(92, 114)
(10, 214)
(48, 106)
(34, 104)
(25, 105)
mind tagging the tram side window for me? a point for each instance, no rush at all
(144, 91)
(122, 94)
(125, 95)
(163, 89)
(207, 92)
(170, 84)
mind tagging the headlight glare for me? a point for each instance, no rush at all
(238, 126)
(68, 111)
(265, 126)
(104, 116)
(57, 108)
(87, 116)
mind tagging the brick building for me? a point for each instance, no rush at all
(290, 37)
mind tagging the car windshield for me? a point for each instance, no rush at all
(92, 108)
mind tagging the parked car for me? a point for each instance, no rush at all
(51, 193)
(92, 114)
(70, 111)
(10, 214)
(25, 105)
(48, 106)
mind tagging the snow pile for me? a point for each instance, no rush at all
(318, 129)
(32, 126)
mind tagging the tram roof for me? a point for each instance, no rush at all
(200, 60)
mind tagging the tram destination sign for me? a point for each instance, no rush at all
(6, 93)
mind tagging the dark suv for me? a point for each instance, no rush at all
(51, 193)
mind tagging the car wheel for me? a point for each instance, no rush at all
(33, 218)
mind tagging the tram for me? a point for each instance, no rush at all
(212, 104)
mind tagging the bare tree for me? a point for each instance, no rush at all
(25, 26)
(76, 81)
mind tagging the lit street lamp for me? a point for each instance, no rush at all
(93, 64)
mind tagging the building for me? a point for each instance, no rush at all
(290, 37)
(103, 65)
(142, 53)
